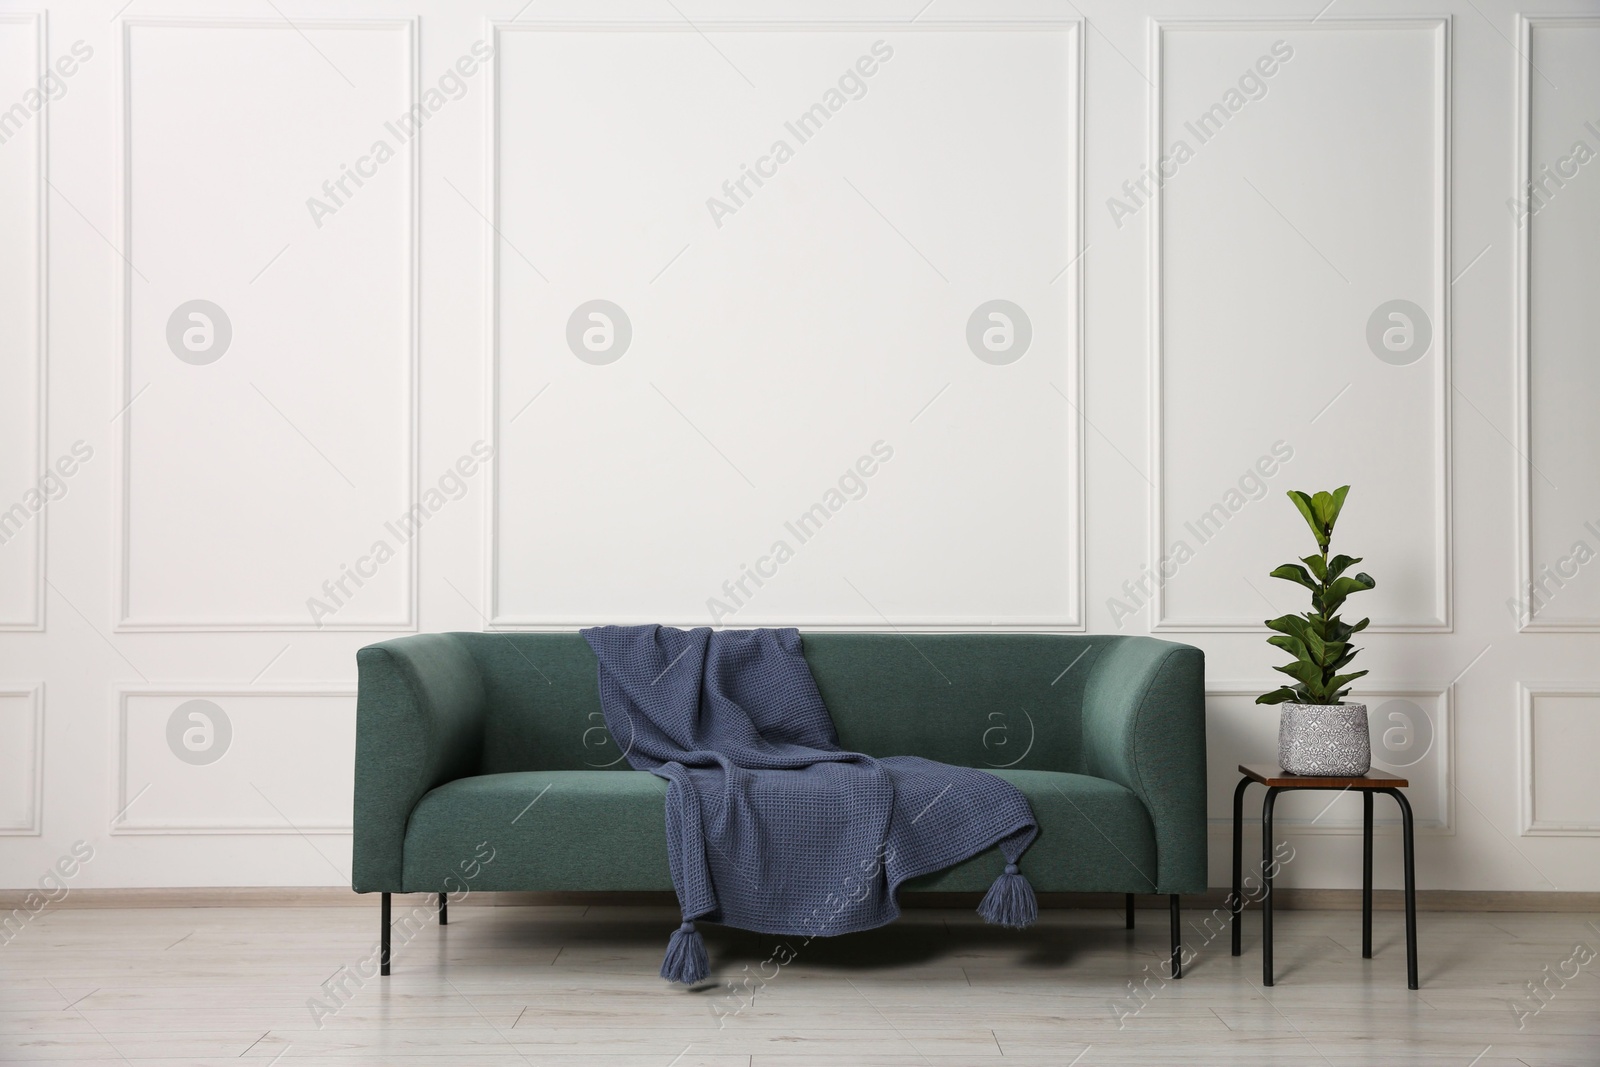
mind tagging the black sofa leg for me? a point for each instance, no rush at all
(383, 949)
(1177, 939)
(444, 909)
(1127, 907)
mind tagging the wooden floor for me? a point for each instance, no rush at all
(553, 986)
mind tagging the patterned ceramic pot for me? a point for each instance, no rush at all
(1329, 740)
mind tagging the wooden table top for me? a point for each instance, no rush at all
(1275, 777)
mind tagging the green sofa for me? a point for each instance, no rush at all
(483, 764)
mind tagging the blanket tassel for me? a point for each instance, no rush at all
(1010, 901)
(686, 959)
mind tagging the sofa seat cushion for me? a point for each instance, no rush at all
(585, 831)
(1095, 836)
(592, 831)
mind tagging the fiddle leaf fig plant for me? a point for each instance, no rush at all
(1319, 640)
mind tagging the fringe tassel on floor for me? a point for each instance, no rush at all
(1010, 901)
(686, 959)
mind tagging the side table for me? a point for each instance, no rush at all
(1277, 780)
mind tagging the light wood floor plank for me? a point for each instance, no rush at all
(568, 986)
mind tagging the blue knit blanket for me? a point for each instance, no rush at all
(771, 826)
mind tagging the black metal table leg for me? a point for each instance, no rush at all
(1266, 886)
(1411, 885)
(444, 909)
(1236, 902)
(1177, 938)
(1127, 906)
(383, 949)
(1366, 874)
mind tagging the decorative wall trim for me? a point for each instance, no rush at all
(1383, 821)
(34, 692)
(122, 818)
(41, 412)
(1527, 695)
(1444, 576)
(121, 568)
(1076, 622)
(1522, 150)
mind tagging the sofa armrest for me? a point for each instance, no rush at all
(419, 724)
(1144, 727)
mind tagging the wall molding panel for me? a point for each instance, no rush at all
(1297, 433)
(27, 763)
(1533, 824)
(323, 490)
(33, 354)
(174, 796)
(505, 599)
(1530, 605)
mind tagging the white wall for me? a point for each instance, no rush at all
(1204, 347)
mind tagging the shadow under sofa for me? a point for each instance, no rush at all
(483, 763)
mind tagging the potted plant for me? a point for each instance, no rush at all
(1319, 734)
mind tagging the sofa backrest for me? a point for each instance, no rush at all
(976, 700)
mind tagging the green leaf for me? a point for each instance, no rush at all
(1308, 673)
(1292, 645)
(1303, 502)
(1336, 505)
(1277, 696)
(1288, 624)
(1293, 572)
(1301, 631)
(1322, 507)
(1318, 565)
(1340, 588)
(1342, 631)
(1340, 679)
(1338, 565)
